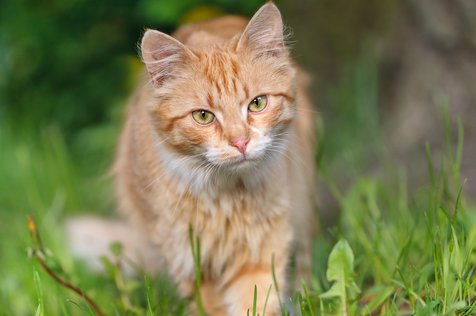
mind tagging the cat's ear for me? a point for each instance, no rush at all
(163, 55)
(264, 32)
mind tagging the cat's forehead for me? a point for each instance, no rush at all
(223, 75)
(221, 65)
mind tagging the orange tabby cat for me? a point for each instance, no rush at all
(220, 139)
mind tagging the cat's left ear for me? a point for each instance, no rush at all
(163, 55)
(264, 32)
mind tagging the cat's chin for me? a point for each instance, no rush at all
(244, 163)
(239, 165)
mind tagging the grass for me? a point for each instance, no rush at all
(394, 251)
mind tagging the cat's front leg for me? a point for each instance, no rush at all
(211, 298)
(239, 293)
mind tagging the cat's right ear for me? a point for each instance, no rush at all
(163, 55)
(264, 32)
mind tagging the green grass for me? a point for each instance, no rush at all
(401, 252)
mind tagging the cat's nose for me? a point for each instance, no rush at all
(241, 144)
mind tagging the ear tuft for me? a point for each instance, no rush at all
(264, 32)
(162, 55)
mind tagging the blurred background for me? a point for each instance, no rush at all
(389, 77)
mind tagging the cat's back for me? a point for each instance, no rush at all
(215, 31)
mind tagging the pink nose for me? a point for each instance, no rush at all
(241, 143)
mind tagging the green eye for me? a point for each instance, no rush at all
(203, 117)
(258, 104)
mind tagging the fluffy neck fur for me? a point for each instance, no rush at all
(202, 179)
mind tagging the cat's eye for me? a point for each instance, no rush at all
(203, 117)
(258, 104)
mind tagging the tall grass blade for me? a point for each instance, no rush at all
(195, 246)
(40, 311)
(266, 299)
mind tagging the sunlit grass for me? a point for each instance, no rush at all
(414, 250)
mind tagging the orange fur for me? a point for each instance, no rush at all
(173, 173)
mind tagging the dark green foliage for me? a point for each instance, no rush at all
(66, 68)
(69, 62)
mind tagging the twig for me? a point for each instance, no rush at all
(38, 252)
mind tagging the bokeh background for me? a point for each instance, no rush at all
(389, 77)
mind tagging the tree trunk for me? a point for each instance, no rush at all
(430, 62)
(427, 59)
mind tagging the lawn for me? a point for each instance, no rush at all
(393, 249)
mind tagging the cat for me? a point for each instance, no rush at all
(218, 141)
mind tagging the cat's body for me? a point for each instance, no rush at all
(242, 182)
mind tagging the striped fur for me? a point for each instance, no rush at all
(172, 173)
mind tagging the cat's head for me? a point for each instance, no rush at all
(225, 106)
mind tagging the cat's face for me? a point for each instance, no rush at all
(226, 107)
(230, 111)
